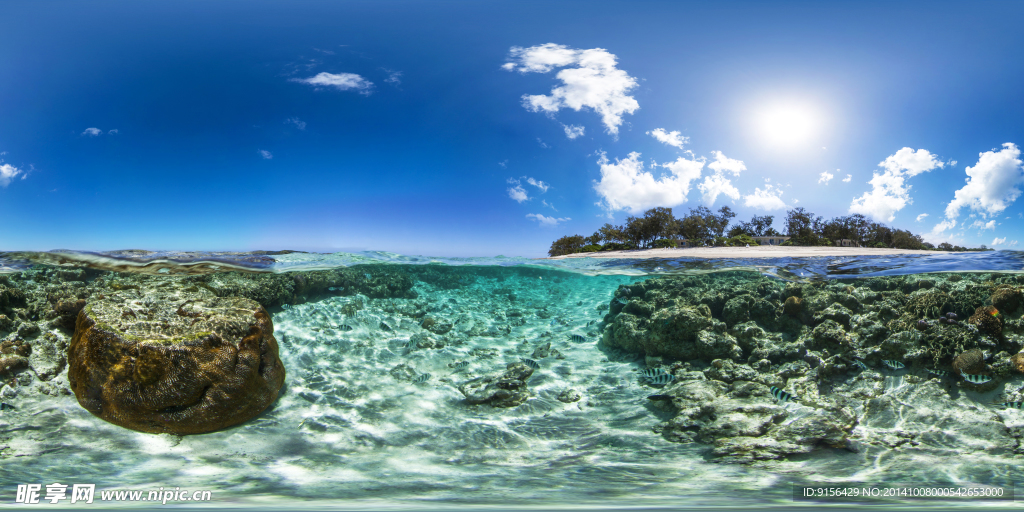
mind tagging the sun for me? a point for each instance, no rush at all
(788, 125)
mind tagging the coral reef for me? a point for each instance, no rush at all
(174, 361)
(507, 389)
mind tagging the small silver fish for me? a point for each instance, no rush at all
(592, 322)
(650, 373)
(939, 373)
(530, 362)
(781, 395)
(661, 379)
(620, 300)
(345, 328)
(860, 364)
(421, 378)
(576, 338)
(385, 327)
(461, 365)
(1011, 405)
(6, 406)
(895, 365)
(410, 344)
(285, 306)
(974, 378)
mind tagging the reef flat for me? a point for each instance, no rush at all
(430, 381)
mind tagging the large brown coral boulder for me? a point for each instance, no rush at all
(988, 321)
(972, 361)
(170, 362)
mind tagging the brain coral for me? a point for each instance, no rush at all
(164, 363)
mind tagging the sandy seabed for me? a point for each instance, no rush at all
(762, 251)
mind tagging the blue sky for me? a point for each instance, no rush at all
(485, 128)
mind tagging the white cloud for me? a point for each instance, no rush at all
(825, 177)
(112, 132)
(912, 162)
(546, 221)
(992, 184)
(767, 199)
(847, 178)
(265, 154)
(7, 174)
(539, 184)
(92, 132)
(503, 163)
(889, 192)
(672, 138)
(572, 131)
(984, 225)
(542, 144)
(625, 185)
(549, 205)
(723, 163)
(340, 81)
(394, 77)
(518, 193)
(716, 185)
(921, 217)
(589, 80)
(943, 226)
(300, 124)
(999, 241)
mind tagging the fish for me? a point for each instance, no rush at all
(659, 397)
(461, 365)
(333, 288)
(410, 344)
(621, 300)
(530, 362)
(592, 322)
(660, 379)
(385, 327)
(974, 378)
(860, 364)
(939, 373)
(895, 365)
(1011, 405)
(650, 373)
(554, 321)
(6, 406)
(345, 328)
(285, 306)
(421, 378)
(576, 338)
(781, 395)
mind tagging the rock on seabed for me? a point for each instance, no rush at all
(169, 361)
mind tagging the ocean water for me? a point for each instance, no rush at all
(352, 430)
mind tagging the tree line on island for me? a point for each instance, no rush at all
(659, 228)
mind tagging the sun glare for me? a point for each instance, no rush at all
(787, 125)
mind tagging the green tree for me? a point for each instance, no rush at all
(801, 227)
(566, 245)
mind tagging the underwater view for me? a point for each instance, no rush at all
(385, 381)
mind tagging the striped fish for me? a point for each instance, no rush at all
(410, 344)
(6, 407)
(661, 379)
(1011, 405)
(576, 338)
(385, 327)
(781, 395)
(974, 378)
(421, 378)
(461, 365)
(530, 362)
(345, 328)
(939, 373)
(895, 365)
(860, 364)
(650, 373)
(660, 397)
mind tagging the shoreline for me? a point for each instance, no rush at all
(761, 251)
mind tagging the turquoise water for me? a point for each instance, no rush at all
(352, 430)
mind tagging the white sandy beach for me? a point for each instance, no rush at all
(761, 251)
